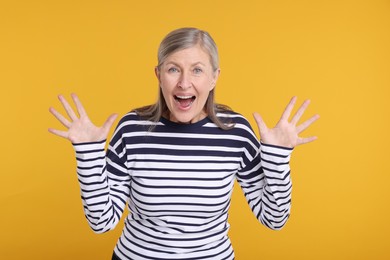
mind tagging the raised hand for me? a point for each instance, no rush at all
(80, 129)
(286, 133)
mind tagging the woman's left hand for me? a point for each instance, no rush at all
(286, 133)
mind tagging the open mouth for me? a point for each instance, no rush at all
(185, 101)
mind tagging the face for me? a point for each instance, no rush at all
(186, 77)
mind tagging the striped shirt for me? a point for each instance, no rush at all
(177, 181)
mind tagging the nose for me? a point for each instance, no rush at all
(184, 81)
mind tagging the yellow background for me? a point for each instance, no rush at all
(337, 53)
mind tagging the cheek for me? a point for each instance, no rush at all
(166, 94)
(205, 88)
(167, 82)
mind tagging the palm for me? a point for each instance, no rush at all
(80, 129)
(83, 130)
(286, 133)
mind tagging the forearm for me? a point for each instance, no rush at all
(276, 197)
(101, 208)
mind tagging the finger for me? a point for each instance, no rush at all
(287, 112)
(109, 122)
(300, 112)
(260, 123)
(59, 133)
(307, 123)
(68, 108)
(60, 117)
(79, 106)
(307, 140)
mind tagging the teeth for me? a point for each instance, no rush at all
(184, 97)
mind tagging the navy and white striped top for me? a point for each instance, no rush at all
(177, 181)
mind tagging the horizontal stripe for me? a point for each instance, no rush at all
(177, 181)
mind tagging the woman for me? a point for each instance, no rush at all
(174, 163)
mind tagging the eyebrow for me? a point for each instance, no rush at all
(194, 64)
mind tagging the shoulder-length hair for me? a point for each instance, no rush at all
(177, 40)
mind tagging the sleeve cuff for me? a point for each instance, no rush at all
(89, 146)
(275, 153)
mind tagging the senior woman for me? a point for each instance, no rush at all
(174, 163)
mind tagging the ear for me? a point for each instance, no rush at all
(157, 73)
(215, 78)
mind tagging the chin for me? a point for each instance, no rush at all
(181, 119)
(184, 118)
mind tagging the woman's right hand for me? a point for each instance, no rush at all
(80, 129)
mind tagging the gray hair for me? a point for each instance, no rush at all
(184, 38)
(177, 40)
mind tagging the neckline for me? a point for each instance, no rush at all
(176, 125)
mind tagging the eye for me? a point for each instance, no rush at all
(173, 70)
(198, 70)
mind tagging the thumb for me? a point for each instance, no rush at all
(260, 123)
(109, 122)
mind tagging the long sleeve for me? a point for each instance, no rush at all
(177, 182)
(104, 183)
(267, 186)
